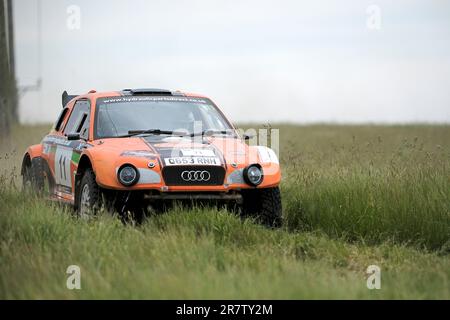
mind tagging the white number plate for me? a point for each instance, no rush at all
(63, 158)
(197, 153)
(206, 161)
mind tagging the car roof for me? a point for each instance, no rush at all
(66, 98)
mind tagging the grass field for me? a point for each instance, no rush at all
(353, 196)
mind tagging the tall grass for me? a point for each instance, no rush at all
(353, 197)
(370, 184)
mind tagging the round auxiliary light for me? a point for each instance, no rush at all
(253, 175)
(128, 175)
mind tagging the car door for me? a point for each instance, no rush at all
(67, 153)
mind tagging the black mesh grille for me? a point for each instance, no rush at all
(172, 175)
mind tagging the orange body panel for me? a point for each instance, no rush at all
(105, 169)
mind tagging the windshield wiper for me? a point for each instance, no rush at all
(210, 132)
(132, 133)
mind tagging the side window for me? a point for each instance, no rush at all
(61, 118)
(79, 119)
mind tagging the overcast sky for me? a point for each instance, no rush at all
(300, 61)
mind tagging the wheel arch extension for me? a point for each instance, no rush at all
(31, 153)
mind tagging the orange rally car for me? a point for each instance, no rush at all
(136, 150)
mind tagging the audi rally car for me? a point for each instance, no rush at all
(137, 148)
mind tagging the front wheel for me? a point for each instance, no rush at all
(264, 205)
(89, 196)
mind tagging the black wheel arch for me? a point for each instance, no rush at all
(83, 165)
(26, 162)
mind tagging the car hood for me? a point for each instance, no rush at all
(227, 150)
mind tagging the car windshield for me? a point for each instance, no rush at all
(118, 116)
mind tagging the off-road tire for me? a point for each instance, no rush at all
(89, 197)
(33, 178)
(264, 205)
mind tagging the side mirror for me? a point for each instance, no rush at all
(247, 137)
(73, 136)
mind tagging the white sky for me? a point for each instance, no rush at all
(298, 61)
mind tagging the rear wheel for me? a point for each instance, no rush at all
(264, 205)
(33, 176)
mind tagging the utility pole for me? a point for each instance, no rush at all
(12, 62)
(8, 89)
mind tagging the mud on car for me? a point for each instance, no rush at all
(136, 150)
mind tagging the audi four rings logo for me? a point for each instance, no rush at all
(195, 175)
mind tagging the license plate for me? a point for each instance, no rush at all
(205, 161)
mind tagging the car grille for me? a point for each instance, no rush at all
(193, 175)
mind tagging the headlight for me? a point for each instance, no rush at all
(128, 175)
(253, 175)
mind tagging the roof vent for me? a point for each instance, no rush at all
(153, 92)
